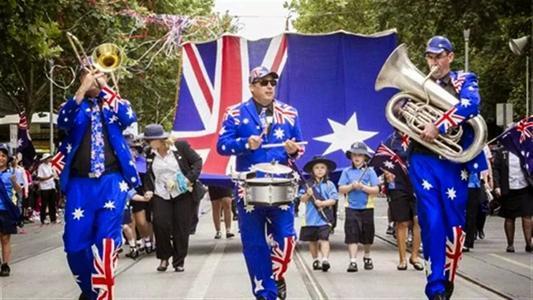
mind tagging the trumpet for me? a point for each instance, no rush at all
(106, 58)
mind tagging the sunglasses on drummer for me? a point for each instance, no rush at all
(265, 82)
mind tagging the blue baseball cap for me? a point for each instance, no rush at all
(438, 44)
(260, 72)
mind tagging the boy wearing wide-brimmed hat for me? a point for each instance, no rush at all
(360, 183)
(319, 195)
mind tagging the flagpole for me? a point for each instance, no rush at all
(51, 115)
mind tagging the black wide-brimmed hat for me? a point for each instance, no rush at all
(320, 159)
(154, 132)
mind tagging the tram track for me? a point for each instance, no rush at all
(463, 275)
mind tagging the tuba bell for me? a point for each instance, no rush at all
(426, 103)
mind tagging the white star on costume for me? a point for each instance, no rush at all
(464, 175)
(223, 147)
(245, 121)
(123, 186)
(426, 185)
(284, 207)
(130, 112)
(77, 278)
(69, 148)
(78, 214)
(19, 143)
(388, 164)
(451, 193)
(428, 267)
(109, 204)
(465, 102)
(113, 119)
(131, 163)
(258, 285)
(279, 133)
(222, 130)
(249, 208)
(344, 136)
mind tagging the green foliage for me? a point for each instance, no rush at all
(491, 22)
(34, 32)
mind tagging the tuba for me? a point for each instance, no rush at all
(426, 103)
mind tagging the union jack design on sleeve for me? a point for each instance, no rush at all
(525, 128)
(458, 82)
(454, 252)
(405, 141)
(449, 119)
(105, 265)
(282, 258)
(233, 112)
(284, 113)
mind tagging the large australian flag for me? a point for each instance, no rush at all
(519, 140)
(328, 78)
(24, 143)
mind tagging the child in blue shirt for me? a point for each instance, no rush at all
(319, 196)
(360, 183)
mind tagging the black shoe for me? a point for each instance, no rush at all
(148, 247)
(163, 266)
(401, 267)
(218, 235)
(439, 297)
(481, 234)
(466, 249)
(510, 249)
(529, 248)
(179, 269)
(417, 265)
(134, 253)
(316, 265)
(352, 267)
(368, 263)
(229, 235)
(449, 290)
(390, 230)
(282, 289)
(83, 297)
(325, 266)
(5, 270)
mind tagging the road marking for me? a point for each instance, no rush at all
(511, 261)
(202, 281)
(310, 282)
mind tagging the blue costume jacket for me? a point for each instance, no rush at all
(74, 118)
(242, 121)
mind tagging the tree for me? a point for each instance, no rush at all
(491, 22)
(33, 33)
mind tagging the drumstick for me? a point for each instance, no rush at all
(266, 146)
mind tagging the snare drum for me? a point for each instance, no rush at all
(269, 191)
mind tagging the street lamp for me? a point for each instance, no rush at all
(518, 47)
(466, 35)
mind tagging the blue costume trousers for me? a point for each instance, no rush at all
(93, 231)
(441, 188)
(268, 240)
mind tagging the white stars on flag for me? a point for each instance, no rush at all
(344, 135)
(78, 213)
(426, 185)
(249, 208)
(388, 164)
(465, 102)
(464, 175)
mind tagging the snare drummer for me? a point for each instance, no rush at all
(247, 126)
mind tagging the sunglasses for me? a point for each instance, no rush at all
(265, 82)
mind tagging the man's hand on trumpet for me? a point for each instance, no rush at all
(429, 133)
(92, 82)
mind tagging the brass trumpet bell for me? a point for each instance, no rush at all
(107, 57)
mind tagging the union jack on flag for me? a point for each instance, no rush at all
(449, 119)
(519, 140)
(319, 75)
(454, 252)
(24, 142)
(58, 162)
(282, 258)
(386, 158)
(105, 265)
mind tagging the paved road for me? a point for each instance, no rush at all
(215, 269)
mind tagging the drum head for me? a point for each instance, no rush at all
(268, 181)
(272, 168)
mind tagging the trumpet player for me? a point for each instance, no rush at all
(96, 178)
(440, 184)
